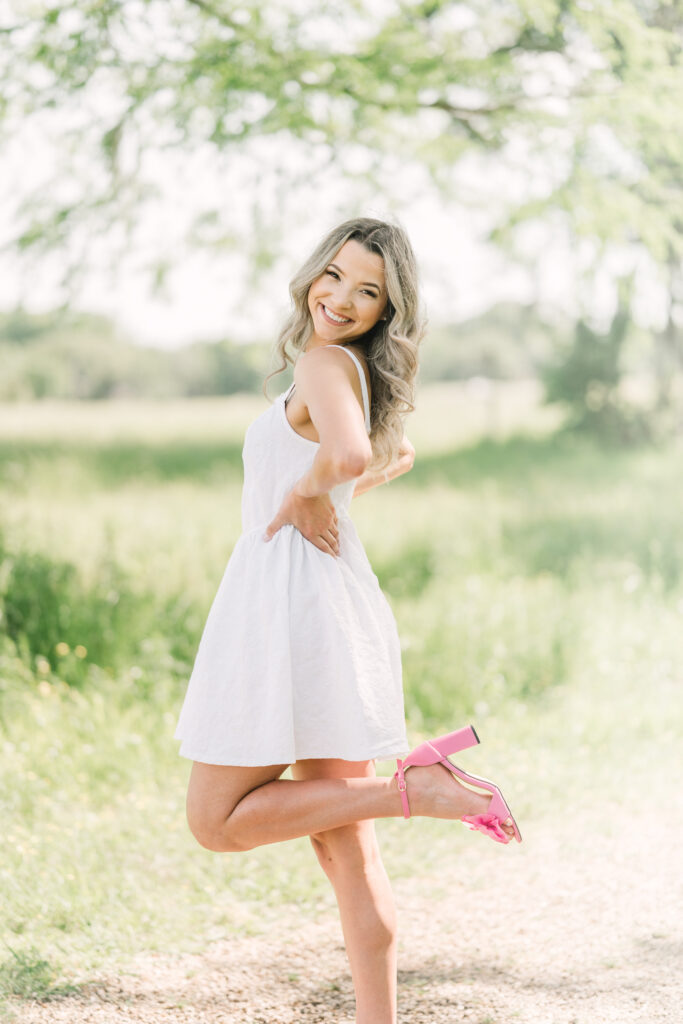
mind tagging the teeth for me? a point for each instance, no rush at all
(333, 316)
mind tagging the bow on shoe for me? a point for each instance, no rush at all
(489, 824)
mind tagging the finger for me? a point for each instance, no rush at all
(326, 546)
(333, 541)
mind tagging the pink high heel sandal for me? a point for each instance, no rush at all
(434, 752)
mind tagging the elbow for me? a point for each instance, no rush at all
(355, 468)
(352, 464)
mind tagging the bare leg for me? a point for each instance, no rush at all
(231, 808)
(350, 857)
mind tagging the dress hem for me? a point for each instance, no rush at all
(386, 753)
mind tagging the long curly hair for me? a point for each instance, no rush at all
(390, 347)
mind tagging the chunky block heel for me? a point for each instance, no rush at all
(452, 742)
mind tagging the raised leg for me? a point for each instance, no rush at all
(350, 857)
(231, 808)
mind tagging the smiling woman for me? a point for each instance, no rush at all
(360, 286)
(299, 664)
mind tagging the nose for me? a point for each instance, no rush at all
(342, 298)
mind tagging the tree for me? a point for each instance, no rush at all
(583, 98)
(586, 376)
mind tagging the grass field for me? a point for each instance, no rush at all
(537, 582)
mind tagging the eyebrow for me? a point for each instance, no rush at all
(373, 283)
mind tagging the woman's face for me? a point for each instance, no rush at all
(350, 295)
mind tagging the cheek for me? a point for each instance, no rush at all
(316, 290)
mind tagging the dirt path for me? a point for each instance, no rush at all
(569, 928)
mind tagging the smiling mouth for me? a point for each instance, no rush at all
(333, 317)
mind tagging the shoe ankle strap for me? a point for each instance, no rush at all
(400, 776)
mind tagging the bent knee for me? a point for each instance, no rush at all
(217, 842)
(214, 838)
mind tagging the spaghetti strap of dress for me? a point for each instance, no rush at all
(363, 385)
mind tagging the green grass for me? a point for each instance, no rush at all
(535, 579)
(28, 975)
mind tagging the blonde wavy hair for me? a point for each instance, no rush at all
(390, 347)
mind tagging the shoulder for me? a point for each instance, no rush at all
(332, 355)
(320, 359)
(327, 361)
(322, 367)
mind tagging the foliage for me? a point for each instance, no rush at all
(507, 341)
(76, 355)
(58, 622)
(586, 377)
(581, 100)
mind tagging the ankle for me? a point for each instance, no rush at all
(400, 791)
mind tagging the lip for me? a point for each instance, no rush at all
(333, 322)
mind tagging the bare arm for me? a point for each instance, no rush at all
(325, 382)
(403, 464)
(325, 385)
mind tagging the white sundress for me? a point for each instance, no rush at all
(300, 654)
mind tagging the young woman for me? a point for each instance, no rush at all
(299, 662)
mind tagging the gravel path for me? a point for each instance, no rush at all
(578, 927)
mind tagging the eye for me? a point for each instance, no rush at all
(373, 295)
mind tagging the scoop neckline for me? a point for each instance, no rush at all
(308, 440)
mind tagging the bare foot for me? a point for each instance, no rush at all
(434, 792)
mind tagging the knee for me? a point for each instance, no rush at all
(217, 842)
(212, 837)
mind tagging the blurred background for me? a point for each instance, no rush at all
(165, 167)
